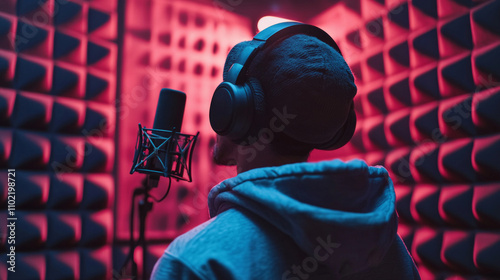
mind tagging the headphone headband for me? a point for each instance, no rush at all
(269, 36)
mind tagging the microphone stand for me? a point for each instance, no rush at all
(145, 206)
(178, 148)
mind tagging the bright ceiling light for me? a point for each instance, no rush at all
(267, 21)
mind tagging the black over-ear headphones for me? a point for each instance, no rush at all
(232, 110)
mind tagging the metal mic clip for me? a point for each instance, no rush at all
(164, 152)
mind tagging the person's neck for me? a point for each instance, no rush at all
(266, 158)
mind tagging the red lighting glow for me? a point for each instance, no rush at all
(267, 21)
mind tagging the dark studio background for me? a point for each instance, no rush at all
(76, 77)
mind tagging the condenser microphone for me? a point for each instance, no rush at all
(164, 150)
(169, 111)
(168, 119)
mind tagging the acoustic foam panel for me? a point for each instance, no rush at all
(57, 118)
(427, 107)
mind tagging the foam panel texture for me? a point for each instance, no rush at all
(57, 126)
(180, 45)
(428, 110)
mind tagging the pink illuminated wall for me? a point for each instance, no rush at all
(183, 46)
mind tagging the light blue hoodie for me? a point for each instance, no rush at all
(326, 220)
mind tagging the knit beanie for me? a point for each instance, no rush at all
(307, 77)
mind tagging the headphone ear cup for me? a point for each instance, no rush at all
(231, 110)
(344, 134)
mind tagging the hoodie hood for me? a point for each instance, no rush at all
(345, 208)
